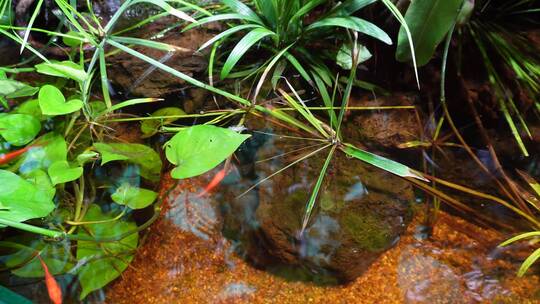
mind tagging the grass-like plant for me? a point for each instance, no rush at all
(288, 34)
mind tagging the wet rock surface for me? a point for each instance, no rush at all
(361, 212)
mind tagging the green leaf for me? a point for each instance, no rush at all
(133, 197)
(10, 88)
(86, 156)
(30, 107)
(19, 129)
(242, 9)
(41, 179)
(355, 24)
(76, 39)
(381, 162)
(151, 126)
(200, 148)
(226, 34)
(344, 56)
(60, 172)
(53, 254)
(106, 260)
(49, 149)
(429, 21)
(242, 47)
(528, 262)
(348, 7)
(144, 156)
(24, 200)
(64, 69)
(52, 102)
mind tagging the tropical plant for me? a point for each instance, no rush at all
(283, 33)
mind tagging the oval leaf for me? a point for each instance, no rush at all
(133, 197)
(151, 126)
(106, 261)
(64, 69)
(52, 102)
(61, 173)
(144, 156)
(22, 199)
(19, 129)
(200, 148)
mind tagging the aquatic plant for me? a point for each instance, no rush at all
(283, 32)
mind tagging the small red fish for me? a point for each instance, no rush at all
(214, 182)
(8, 157)
(54, 290)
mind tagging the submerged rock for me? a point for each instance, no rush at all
(361, 212)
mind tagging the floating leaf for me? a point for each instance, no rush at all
(133, 197)
(151, 126)
(200, 148)
(53, 102)
(144, 156)
(64, 69)
(24, 200)
(106, 260)
(19, 129)
(60, 172)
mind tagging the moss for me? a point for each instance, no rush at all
(368, 231)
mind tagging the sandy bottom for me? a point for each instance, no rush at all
(458, 264)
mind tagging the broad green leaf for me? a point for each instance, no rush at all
(60, 172)
(429, 21)
(75, 40)
(24, 200)
(40, 179)
(242, 47)
(52, 102)
(106, 261)
(19, 129)
(344, 56)
(133, 197)
(355, 24)
(10, 88)
(30, 107)
(64, 69)
(151, 126)
(86, 156)
(144, 156)
(52, 253)
(381, 162)
(200, 148)
(48, 149)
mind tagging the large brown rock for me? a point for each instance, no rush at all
(361, 212)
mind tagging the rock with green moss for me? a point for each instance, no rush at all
(361, 212)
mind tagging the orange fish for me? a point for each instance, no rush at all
(54, 290)
(214, 182)
(8, 157)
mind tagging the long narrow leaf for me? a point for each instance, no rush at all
(355, 24)
(30, 24)
(242, 9)
(226, 33)
(316, 190)
(528, 262)
(242, 47)
(381, 162)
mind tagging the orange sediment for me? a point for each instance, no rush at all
(175, 266)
